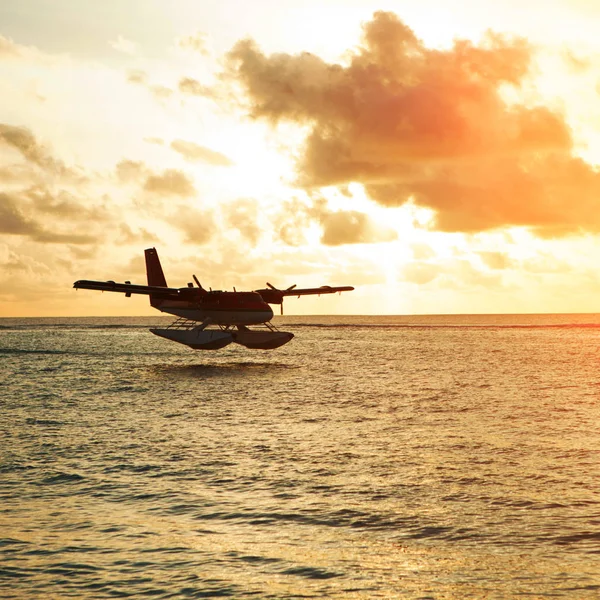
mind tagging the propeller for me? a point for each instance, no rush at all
(276, 290)
(198, 283)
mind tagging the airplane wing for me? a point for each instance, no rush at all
(324, 289)
(129, 288)
(273, 295)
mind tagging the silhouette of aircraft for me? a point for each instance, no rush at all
(207, 319)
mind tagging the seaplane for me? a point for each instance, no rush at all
(211, 319)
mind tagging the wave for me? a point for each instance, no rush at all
(371, 326)
(61, 477)
(71, 326)
(441, 326)
(390, 322)
(21, 351)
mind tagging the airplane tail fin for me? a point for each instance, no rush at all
(154, 272)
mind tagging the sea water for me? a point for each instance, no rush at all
(371, 457)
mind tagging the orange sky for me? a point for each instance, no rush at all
(439, 158)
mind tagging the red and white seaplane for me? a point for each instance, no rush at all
(208, 320)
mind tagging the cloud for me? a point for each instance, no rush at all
(40, 198)
(137, 76)
(18, 173)
(338, 227)
(430, 126)
(83, 252)
(52, 237)
(17, 268)
(197, 226)
(9, 48)
(455, 273)
(130, 170)
(14, 222)
(576, 63)
(191, 86)
(160, 92)
(422, 251)
(124, 45)
(290, 221)
(420, 272)
(154, 140)
(171, 182)
(495, 260)
(545, 263)
(243, 215)
(352, 227)
(197, 42)
(22, 140)
(64, 206)
(194, 152)
(129, 236)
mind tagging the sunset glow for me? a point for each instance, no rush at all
(438, 159)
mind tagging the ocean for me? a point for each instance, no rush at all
(444, 457)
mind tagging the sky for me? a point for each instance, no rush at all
(440, 157)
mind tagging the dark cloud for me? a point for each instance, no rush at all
(44, 210)
(14, 222)
(195, 153)
(65, 206)
(411, 122)
(170, 182)
(22, 140)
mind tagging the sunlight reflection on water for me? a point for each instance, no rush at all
(371, 457)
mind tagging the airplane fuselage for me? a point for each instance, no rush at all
(220, 308)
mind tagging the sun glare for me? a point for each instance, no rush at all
(293, 144)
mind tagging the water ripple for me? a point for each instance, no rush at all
(395, 457)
